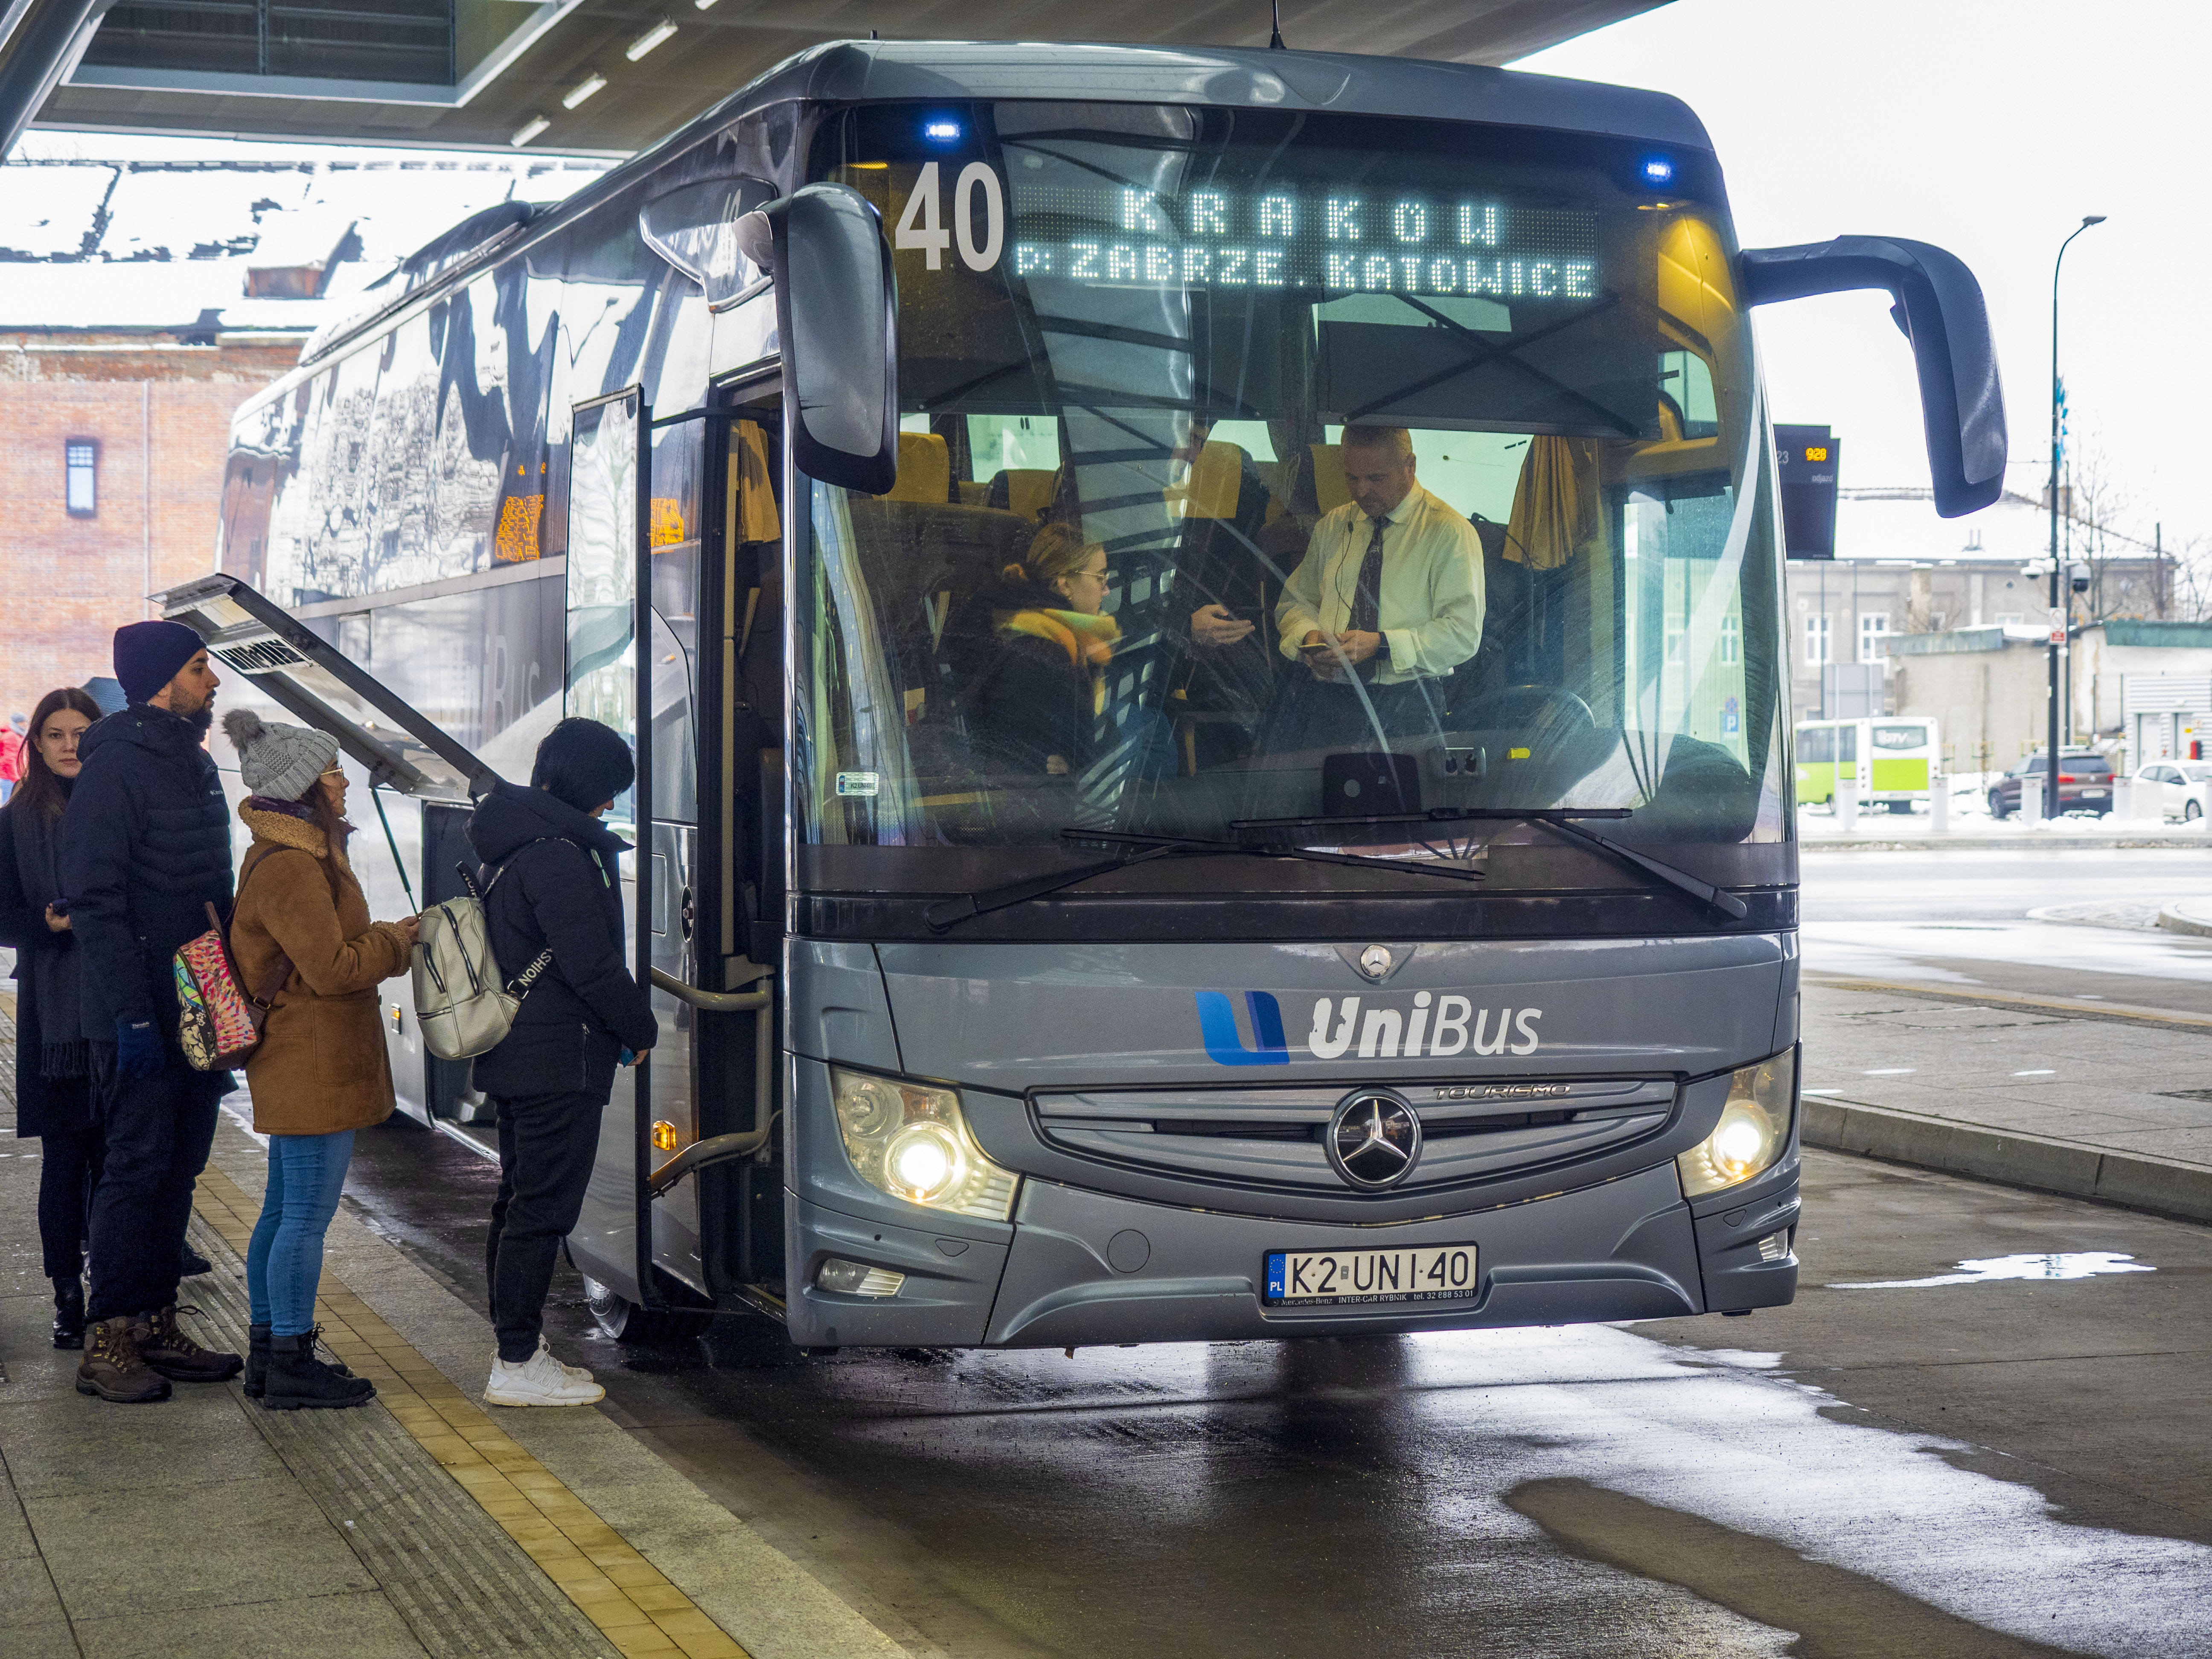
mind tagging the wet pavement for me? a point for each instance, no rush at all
(1924, 1455)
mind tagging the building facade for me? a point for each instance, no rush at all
(112, 450)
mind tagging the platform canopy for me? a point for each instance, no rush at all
(609, 77)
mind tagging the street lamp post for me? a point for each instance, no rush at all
(2058, 574)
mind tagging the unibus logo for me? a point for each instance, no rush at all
(1424, 1027)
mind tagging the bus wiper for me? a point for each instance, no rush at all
(1558, 819)
(950, 913)
(1261, 850)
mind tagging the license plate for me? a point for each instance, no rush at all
(1330, 1278)
(2092, 792)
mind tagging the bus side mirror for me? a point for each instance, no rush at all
(1939, 306)
(836, 309)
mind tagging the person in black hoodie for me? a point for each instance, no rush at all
(549, 867)
(145, 848)
(53, 1066)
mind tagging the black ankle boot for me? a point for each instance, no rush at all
(297, 1380)
(190, 1264)
(69, 1313)
(257, 1360)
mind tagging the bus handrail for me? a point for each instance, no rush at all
(717, 1149)
(712, 1002)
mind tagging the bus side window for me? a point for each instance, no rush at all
(1816, 745)
(1847, 743)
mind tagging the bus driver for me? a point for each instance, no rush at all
(1388, 599)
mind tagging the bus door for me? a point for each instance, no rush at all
(610, 654)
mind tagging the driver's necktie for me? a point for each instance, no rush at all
(1367, 595)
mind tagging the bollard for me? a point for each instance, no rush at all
(1939, 806)
(2030, 803)
(2124, 799)
(1847, 805)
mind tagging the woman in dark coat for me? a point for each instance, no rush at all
(53, 1063)
(1033, 703)
(554, 906)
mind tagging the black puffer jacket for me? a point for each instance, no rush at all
(558, 888)
(145, 847)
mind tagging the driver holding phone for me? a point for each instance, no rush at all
(1388, 597)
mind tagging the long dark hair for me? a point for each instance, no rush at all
(40, 791)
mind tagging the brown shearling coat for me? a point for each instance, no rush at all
(321, 1067)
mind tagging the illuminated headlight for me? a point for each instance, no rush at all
(1755, 1128)
(912, 1143)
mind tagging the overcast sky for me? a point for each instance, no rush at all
(1987, 127)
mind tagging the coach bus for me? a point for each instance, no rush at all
(1036, 972)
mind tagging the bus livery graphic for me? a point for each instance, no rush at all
(1224, 1043)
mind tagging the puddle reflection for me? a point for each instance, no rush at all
(2080, 1264)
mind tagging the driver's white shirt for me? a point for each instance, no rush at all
(1432, 593)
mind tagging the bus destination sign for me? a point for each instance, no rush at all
(1345, 240)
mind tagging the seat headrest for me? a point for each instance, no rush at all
(925, 469)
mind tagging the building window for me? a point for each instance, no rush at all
(1816, 641)
(81, 467)
(1731, 639)
(1872, 625)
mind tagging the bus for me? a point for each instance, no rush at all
(1896, 760)
(1144, 1003)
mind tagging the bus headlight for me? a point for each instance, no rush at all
(1755, 1128)
(912, 1142)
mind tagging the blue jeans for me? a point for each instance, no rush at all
(284, 1263)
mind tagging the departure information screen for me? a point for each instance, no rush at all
(1343, 241)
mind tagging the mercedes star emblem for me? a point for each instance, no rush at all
(1375, 1140)
(1375, 962)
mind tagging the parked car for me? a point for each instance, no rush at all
(2085, 783)
(2182, 788)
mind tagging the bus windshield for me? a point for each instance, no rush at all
(1261, 474)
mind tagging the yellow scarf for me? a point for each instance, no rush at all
(1088, 641)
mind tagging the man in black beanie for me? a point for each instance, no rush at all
(145, 848)
(555, 906)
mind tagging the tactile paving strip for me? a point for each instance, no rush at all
(375, 1483)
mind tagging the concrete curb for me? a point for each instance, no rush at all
(2175, 919)
(2162, 1186)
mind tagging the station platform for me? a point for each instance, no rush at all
(421, 1525)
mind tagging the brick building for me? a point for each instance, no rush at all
(111, 445)
(114, 412)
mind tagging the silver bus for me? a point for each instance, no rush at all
(923, 458)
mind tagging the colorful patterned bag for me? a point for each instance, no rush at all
(218, 1024)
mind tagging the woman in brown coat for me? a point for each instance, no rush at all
(320, 1071)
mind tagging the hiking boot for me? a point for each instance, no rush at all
(115, 1370)
(257, 1360)
(177, 1357)
(69, 1313)
(191, 1263)
(540, 1380)
(298, 1381)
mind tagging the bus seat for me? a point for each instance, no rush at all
(1214, 484)
(1028, 490)
(925, 469)
(1330, 490)
(751, 507)
(974, 494)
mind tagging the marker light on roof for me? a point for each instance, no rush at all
(1658, 170)
(941, 131)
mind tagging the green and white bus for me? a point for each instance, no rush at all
(1894, 760)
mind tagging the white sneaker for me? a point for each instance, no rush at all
(576, 1371)
(540, 1380)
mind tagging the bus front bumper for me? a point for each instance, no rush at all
(1085, 1268)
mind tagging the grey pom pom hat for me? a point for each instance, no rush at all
(280, 761)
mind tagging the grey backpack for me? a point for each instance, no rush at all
(463, 1003)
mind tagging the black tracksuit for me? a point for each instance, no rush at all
(145, 847)
(558, 889)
